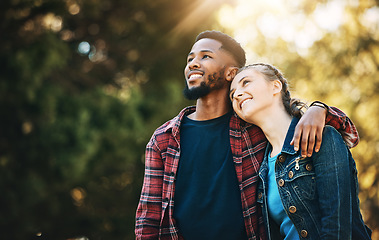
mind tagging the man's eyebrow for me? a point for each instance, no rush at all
(202, 51)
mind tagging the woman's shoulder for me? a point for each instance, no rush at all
(332, 147)
(331, 138)
(330, 133)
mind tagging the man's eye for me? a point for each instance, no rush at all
(189, 59)
(206, 56)
(245, 82)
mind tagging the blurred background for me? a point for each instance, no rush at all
(84, 83)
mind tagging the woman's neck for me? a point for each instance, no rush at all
(274, 125)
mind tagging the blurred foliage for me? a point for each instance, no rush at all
(74, 121)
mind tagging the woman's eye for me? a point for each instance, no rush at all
(231, 96)
(206, 56)
(245, 82)
(189, 59)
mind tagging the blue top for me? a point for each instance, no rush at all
(275, 206)
(207, 196)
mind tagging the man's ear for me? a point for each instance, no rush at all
(231, 73)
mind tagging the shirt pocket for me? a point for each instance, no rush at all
(302, 179)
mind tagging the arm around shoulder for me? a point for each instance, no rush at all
(340, 121)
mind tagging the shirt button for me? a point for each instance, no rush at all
(281, 158)
(281, 182)
(290, 174)
(260, 195)
(304, 233)
(292, 209)
(309, 167)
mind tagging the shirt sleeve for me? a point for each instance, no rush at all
(342, 123)
(149, 209)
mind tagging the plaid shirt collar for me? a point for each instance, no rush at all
(174, 125)
(236, 122)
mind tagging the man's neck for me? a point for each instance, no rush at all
(214, 105)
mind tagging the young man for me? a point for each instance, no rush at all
(201, 167)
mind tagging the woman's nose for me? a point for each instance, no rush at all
(238, 94)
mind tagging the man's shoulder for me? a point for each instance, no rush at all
(166, 127)
(161, 135)
(172, 126)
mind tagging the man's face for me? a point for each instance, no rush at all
(205, 69)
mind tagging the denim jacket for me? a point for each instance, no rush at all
(319, 194)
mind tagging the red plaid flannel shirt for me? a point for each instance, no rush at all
(154, 217)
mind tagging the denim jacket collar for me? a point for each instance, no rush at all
(287, 147)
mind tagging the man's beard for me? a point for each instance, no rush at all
(196, 92)
(215, 81)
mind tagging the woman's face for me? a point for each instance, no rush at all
(251, 94)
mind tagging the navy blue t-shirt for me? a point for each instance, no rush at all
(207, 197)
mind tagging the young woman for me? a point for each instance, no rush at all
(302, 198)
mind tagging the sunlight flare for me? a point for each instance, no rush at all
(289, 21)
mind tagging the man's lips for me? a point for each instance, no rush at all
(194, 75)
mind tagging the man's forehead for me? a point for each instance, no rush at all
(206, 44)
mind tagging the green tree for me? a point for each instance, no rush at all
(83, 84)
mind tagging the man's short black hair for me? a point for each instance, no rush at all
(228, 43)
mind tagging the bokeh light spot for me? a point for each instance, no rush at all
(84, 48)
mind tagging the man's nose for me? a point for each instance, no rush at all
(194, 64)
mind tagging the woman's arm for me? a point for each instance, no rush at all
(333, 182)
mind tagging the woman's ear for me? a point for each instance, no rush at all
(277, 86)
(231, 73)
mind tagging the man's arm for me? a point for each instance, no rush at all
(310, 127)
(149, 209)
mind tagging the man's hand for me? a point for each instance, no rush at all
(309, 130)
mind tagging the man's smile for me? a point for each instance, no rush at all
(194, 75)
